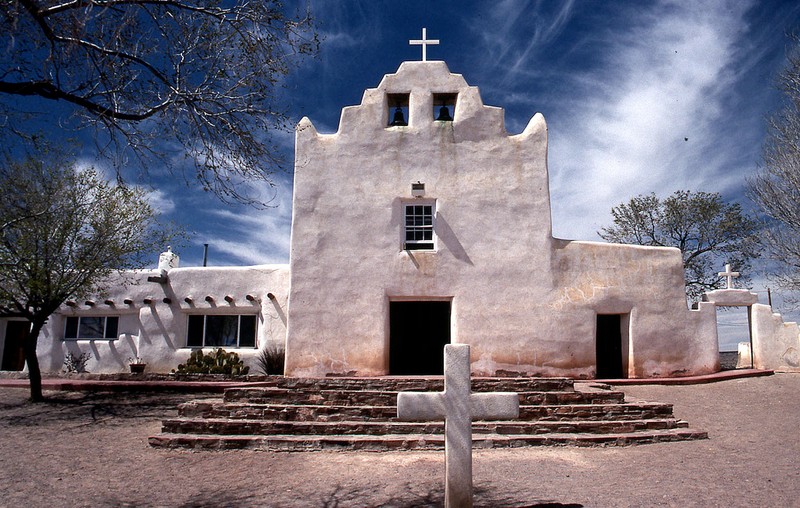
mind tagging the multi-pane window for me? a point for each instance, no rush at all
(222, 331)
(419, 227)
(91, 327)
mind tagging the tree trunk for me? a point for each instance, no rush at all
(34, 373)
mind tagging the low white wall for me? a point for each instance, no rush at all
(156, 331)
(776, 345)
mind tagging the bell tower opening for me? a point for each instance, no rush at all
(398, 109)
(444, 106)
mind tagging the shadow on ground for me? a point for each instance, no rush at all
(87, 408)
(408, 498)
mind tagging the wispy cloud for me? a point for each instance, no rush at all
(623, 85)
(652, 117)
(160, 201)
(246, 235)
(540, 22)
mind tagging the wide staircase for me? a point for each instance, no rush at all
(297, 414)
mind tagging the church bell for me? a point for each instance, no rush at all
(398, 118)
(444, 115)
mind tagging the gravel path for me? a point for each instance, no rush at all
(91, 450)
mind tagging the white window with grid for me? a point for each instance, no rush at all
(419, 226)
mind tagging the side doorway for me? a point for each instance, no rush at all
(14, 345)
(418, 332)
(611, 343)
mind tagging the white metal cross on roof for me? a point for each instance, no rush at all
(424, 43)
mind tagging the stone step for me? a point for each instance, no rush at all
(224, 426)
(216, 408)
(396, 384)
(360, 413)
(382, 398)
(611, 410)
(414, 441)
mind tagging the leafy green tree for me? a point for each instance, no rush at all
(776, 186)
(202, 76)
(708, 232)
(63, 232)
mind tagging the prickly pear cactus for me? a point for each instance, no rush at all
(217, 361)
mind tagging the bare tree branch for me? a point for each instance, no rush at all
(776, 186)
(204, 75)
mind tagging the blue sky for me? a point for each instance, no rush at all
(639, 96)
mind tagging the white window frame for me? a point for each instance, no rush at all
(238, 331)
(419, 245)
(78, 328)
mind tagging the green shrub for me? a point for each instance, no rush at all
(271, 359)
(217, 361)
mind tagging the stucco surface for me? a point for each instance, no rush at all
(524, 301)
(776, 345)
(156, 331)
(731, 297)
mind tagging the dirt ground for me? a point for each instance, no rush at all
(91, 450)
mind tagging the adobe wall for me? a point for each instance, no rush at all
(665, 337)
(776, 345)
(525, 302)
(156, 332)
(347, 259)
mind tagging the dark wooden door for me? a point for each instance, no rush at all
(14, 349)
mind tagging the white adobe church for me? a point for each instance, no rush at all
(420, 222)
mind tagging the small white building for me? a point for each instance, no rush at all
(420, 222)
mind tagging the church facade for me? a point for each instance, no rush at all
(405, 237)
(420, 222)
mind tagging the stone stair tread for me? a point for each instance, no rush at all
(227, 426)
(405, 383)
(197, 402)
(357, 397)
(282, 405)
(324, 412)
(279, 442)
(345, 423)
(360, 414)
(278, 390)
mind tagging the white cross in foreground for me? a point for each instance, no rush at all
(729, 275)
(424, 43)
(457, 407)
